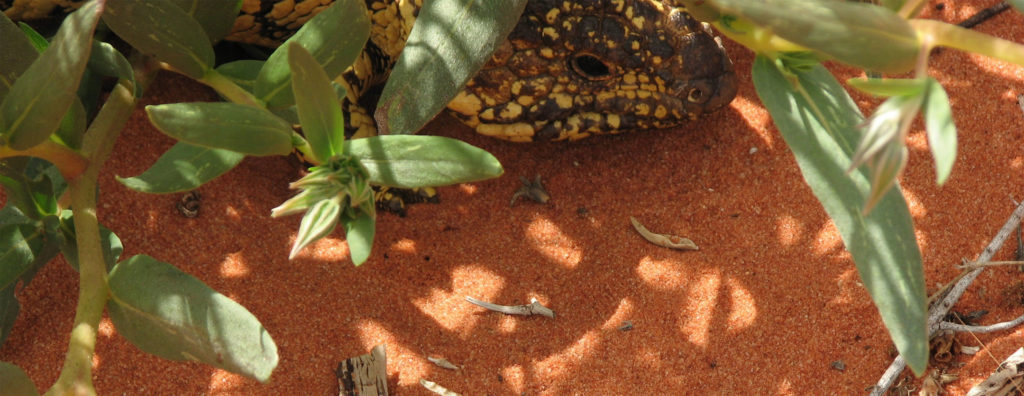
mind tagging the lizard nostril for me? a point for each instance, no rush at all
(590, 67)
(695, 95)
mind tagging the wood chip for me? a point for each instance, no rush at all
(442, 362)
(663, 240)
(364, 375)
(533, 308)
(438, 389)
(1005, 380)
(969, 350)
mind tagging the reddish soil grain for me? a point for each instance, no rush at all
(766, 306)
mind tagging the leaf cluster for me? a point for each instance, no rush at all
(852, 162)
(49, 165)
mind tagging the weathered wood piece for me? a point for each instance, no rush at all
(1006, 380)
(365, 375)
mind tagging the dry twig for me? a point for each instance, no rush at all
(984, 15)
(533, 308)
(938, 311)
(443, 363)
(438, 389)
(663, 240)
(982, 329)
(976, 264)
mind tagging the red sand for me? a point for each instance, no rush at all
(766, 305)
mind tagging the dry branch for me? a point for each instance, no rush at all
(1006, 379)
(982, 329)
(533, 308)
(938, 311)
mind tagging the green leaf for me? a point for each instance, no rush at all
(359, 235)
(164, 30)
(14, 381)
(108, 61)
(800, 60)
(10, 215)
(335, 37)
(32, 185)
(38, 41)
(859, 34)
(817, 119)
(411, 161)
(450, 42)
(17, 55)
(183, 168)
(938, 121)
(884, 170)
(888, 86)
(173, 315)
(72, 125)
(215, 16)
(318, 222)
(887, 126)
(110, 243)
(893, 5)
(239, 128)
(48, 86)
(24, 249)
(292, 115)
(242, 72)
(18, 244)
(317, 105)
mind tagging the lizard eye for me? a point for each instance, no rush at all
(590, 67)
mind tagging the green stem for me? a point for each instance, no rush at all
(911, 8)
(758, 39)
(300, 144)
(76, 375)
(953, 36)
(70, 163)
(230, 90)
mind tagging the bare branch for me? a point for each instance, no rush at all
(938, 311)
(533, 308)
(982, 329)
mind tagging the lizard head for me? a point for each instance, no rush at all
(572, 69)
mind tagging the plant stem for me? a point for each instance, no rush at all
(70, 163)
(76, 375)
(946, 35)
(758, 39)
(911, 8)
(228, 89)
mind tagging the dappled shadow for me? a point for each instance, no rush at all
(766, 305)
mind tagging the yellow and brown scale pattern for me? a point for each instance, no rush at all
(568, 70)
(572, 69)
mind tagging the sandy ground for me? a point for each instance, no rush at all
(767, 305)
